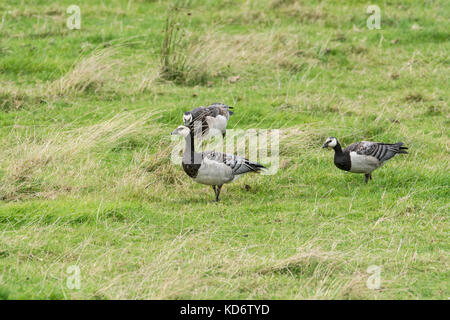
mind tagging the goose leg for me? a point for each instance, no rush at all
(224, 134)
(218, 192)
(367, 176)
(215, 192)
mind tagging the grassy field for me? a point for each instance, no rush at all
(86, 176)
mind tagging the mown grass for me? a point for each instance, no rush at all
(85, 170)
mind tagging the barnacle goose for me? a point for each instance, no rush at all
(212, 167)
(363, 157)
(212, 119)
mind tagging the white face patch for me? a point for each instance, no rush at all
(187, 118)
(332, 143)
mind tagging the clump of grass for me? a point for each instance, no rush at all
(20, 179)
(280, 3)
(89, 74)
(15, 98)
(64, 161)
(172, 58)
(148, 79)
(220, 52)
(192, 59)
(12, 101)
(304, 263)
(215, 55)
(415, 97)
(295, 9)
(433, 110)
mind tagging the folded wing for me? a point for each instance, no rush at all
(237, 164)
(381, 151)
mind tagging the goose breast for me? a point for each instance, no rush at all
(212, 172)
(363, 163)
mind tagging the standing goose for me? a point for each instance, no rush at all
(211, 167)
(363, 157)
(212, 118)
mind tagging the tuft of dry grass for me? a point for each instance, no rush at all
(89, 74)
(191, 59)
(298, 10)
(64, 161)
(218, 52)
(147, 79)
(304, 262)
(14, 98)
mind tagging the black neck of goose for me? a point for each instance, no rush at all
(189, 150)
(191, 160)
(337, 148)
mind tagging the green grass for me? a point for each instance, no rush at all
(85, 170)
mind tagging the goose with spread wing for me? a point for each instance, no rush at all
(212, 119)
(211, 167)
(363, 157)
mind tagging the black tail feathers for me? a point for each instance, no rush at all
(254, 166)
(400, 148)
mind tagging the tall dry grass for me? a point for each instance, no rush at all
(166, 272)
(189, 58)
(68, 161)
(216, 55)
(13, 97)
(89, 74)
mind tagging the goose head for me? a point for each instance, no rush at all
(181, 131)
(187, 118)
(331, 142)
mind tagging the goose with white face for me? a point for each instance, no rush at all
(331, 142)
(364, 156)
(211, 167)
(187, 118)
(211, 120)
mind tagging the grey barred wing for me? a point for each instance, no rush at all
(381, 151)
(240, 165)
(214, 156)
(220, 109)
(237, 164)
(365, 148)
(213, 110)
